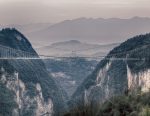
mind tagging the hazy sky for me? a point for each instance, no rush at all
(35, 11)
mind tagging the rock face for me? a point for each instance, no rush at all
(34, 91)
(141, 79)
(125, 67)
(24, 101)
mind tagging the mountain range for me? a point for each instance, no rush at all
(102, 31)
(89, 30)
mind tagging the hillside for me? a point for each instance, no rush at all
(126, 67)
(26, 86)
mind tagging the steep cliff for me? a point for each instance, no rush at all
(126, 67)
(34, 91)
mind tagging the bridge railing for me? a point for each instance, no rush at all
(8, 53)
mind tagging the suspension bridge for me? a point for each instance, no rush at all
(7, 53)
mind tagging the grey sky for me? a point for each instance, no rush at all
(35, 11)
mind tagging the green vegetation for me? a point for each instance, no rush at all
(126, 105)
(145, 111)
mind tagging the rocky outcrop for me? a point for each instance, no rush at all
(140, 79)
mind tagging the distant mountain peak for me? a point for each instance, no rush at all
(67, 42)
(139, 18)
(74, 41)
